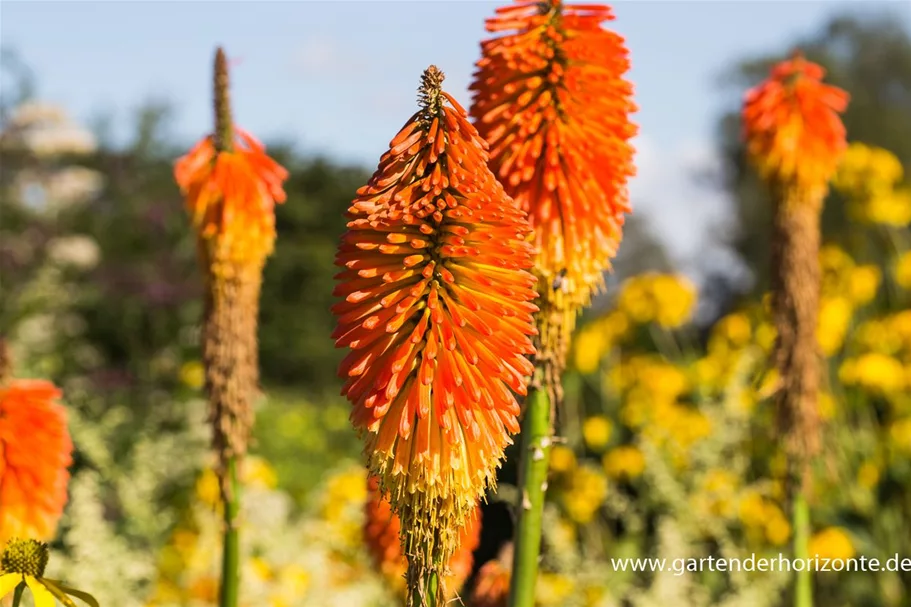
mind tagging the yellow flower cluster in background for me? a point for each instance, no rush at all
(666, 299)
(869, 177)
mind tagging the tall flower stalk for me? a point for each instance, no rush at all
(437, 310)
(231, 187)
(795, 139)
(551, 100)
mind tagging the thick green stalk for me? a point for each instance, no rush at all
(536, 442)
(17, 596)
(230, 569)
(803, 589)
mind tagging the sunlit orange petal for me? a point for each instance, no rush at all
(35, 452)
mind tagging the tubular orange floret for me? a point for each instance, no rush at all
(438, 312)
(381, 535)
(551, 100)
(35, 452)
(791, 125)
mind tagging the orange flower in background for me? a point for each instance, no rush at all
(230, 194)
(437, 311)
(551, 100)
(381, 535)
(231, 187)
(35, 452)
(491, 587)
(792, 128)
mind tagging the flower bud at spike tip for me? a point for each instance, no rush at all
(551, 100)
(224, 127)
(437, 311)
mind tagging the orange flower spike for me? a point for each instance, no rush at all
(437, 310)
(35, 452)
(231, 185)
(791, 125)
(551, 100)
(381, 535)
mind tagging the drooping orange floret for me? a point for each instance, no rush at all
(551, 100)
(791, 125)
(231, 194)
(381, 535)
(437, 311)
(35, 452)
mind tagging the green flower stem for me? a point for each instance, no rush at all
(230, 570)
(427, 596)
(536, 442)
(803, 589)
(17, 595)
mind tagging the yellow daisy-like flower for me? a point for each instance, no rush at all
(22, 566)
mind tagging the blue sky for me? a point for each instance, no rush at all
(339, 77)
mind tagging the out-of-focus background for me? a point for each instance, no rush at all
(669, 447)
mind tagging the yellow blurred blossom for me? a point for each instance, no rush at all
(624, 462)
(552, 589)
(864, 169)
(596, 432)
(256, 471)
(666, 299)
(834, 319)
(903, 270)
(831, 543)
(868, 475)
(584, 493)
(777, 528)
(826, 404)
(836, 265)
(734, 329)
(874, 372)
(900, 433)
(192, 374)
(889, 207)
(878, 336)
(595, 339)
(717, 492)
(562, 459)
(765, 335)
(863, 282)
(207, 489)
(675, 297)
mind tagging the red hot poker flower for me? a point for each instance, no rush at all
(231, 187)
(551, 100)
(792, 128)
(35, 452)
(437, 311)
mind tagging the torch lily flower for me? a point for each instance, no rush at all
(551, 100)
(791, 125)
(437, 311)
